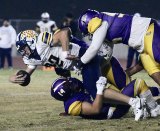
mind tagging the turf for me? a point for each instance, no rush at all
(33, 109)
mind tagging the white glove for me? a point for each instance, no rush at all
(100, 84)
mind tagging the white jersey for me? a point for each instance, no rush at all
(51, 56)
(47, 26)
(138, 30)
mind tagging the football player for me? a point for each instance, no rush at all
(78, 102)
(139, 33)
(46, 24)
(43, 50)
(47, 49)
(110, 66)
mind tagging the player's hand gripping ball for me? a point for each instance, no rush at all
(26, 76)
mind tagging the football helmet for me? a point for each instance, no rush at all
(64, 88)
(26, 38)
(45, 16)
(85, 18)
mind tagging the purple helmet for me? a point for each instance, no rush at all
(63, 88)
(85, 18)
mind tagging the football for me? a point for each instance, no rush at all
(27, 79)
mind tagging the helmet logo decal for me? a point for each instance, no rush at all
(58, 86)
(61, 92)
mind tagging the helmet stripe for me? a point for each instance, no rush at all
(58, 86)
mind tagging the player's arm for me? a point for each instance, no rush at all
(54, 27)
(37, 29)
(133, 70)
(20, 79)
(95, 107)
(97, 41)
(30, 69)
(62, 38)
(78, 42)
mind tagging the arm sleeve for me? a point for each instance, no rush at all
(97, 41)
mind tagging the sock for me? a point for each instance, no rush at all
(151, 103)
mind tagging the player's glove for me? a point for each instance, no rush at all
(100, 84)
(77, 66)
(62, 72)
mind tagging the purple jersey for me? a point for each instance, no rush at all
(119, 27)
(73, 106)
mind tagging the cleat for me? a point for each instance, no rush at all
(155, 112)
(138, 107)
(146, 113)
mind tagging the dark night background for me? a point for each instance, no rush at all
(31, 9)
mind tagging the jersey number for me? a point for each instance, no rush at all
(54, 61)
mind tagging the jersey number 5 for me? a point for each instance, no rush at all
(54, 61)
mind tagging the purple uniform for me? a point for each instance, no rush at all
(119, 27)
(112, 28)
(73, 105)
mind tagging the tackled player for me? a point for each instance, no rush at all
(78, 102)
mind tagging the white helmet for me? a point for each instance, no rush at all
(45, 16)
(27, 37)
(137, 14)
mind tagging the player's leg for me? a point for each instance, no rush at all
(152, 67)
(155, 91)
(136, 87)
(121, 110)
(115, 74)
(152, 41)
(152, 48)
(141, 89)
(130, 56)
(90, 74)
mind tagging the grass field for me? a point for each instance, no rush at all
(33, 109)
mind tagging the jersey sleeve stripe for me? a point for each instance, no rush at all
(49, 39)
(45, 37)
